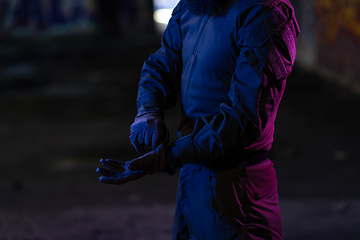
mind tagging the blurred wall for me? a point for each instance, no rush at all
(24, 18)
(330, 39)
(329, 42)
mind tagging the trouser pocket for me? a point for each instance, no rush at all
(260, 180)
(226, 189)
(248, 203)
(262, 212)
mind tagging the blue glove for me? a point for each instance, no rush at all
(117, 172)
(150, 131)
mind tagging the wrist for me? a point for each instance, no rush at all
(142, 111)
(172, 160)
(183, 149)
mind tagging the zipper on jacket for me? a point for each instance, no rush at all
(199, 34)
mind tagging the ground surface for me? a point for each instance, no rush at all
(65, 104)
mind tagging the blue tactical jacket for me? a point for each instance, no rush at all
(231, 71)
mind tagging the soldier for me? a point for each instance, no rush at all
(229, 60)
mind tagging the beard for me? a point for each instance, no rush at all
(206, 7)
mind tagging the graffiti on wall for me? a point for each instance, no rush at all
(339, 15)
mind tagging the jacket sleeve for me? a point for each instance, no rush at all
(268, 47)
(161, 73)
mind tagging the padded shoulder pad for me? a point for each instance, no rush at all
(270, 21)
(177, 8)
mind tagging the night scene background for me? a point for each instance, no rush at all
(68, 83)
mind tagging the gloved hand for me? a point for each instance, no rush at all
(122, 172)
(148, 130)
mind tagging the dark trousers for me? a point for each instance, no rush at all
(227, 203)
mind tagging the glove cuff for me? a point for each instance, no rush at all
(145, 111)
(184, 150)
(172, 160)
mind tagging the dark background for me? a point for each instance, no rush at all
(67, 101)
